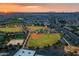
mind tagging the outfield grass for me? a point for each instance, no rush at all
(41, 40)
(8, 29)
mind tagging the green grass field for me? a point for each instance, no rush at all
(34, 28)
(41, 40)
(8, 29)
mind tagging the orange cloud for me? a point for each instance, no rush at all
(7, 8)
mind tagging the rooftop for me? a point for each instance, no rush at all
(24, 52)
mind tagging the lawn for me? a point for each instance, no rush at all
(34, 28)
(8, 29)
(41, 40)
(20, 36)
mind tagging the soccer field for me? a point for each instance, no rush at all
(8, 29)
(41, 40)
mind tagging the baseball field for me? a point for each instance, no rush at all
(41, 40)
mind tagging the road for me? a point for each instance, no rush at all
(27, 33)
(26, 41)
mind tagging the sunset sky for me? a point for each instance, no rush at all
(52, 7)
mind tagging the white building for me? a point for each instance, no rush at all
(24, 52)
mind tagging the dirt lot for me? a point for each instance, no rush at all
(14, 42)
